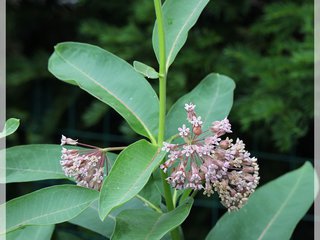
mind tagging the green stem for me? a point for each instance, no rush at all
(174, 197)
(109, 149)
(150, 204)
(162, 71)
(175, 235)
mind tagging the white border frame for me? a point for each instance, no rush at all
(2, 112)
(317, 115)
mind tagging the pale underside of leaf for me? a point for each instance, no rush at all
(10, 127)
(145, 70)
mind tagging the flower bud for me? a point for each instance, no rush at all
(248, 169)
(224, 144)
(197, 130)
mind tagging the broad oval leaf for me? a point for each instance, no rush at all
(179, 17)
(143, 224)
(10, 127)
(129, 174)
(89, 218)
(109, 79)
(48, 206)
(32, 232)
(213, 98)
(273, 211)
(33, 162)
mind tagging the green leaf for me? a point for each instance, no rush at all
(145, 70)
(33, 162)
(143, 224)
(150, 192)
(48, 206)
(109, 79)
(179, 17)
(32, 232)
(213, 98)
(10, 127)
(128, 175)
(273, 211)
(89, 218)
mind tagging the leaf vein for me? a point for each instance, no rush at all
(180, 32)
(111, 93)
(273, 219)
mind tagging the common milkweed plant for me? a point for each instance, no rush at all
(148, 189)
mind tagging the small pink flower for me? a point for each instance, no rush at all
(184, 131)
(167, 146)
(207, 162)
(189, 107)
(86, 166)
(213, 140)
(190, 111)
(69, 141)
(187, 150)
(194, 181)
(196, 121)
(221, 127)
(166, 165)
(174, 155)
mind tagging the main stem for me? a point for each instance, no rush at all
(162, 71)
(162, 109)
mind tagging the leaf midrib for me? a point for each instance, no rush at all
(282, 206)
(47, 215)
(179, 33)
(33, 170)
(141, 175)
(153, 227)
(107, 90)
(124, 196)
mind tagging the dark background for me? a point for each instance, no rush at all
(265, 46)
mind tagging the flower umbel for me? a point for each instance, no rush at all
(86, 166)
(205, 161)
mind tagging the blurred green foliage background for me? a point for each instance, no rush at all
(265, 46)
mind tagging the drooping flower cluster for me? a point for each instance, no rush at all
(86, 166)
(205, 161)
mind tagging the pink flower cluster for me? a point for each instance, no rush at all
(205, 161)
(86, 166)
